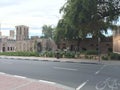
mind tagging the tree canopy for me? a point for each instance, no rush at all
(82, 17)
(47, 30)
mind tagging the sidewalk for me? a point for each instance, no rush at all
(87, 61)
(13, 82)
(48, 59)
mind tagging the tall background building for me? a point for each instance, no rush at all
(12, 33)
(22, 32)
(23, 43)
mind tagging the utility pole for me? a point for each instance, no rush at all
(99, 59)
(0, 30)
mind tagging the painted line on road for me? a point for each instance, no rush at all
(49, 82)
(19, 76)
(97, 72)
(70, 69)
(2, 73)
(82, 85)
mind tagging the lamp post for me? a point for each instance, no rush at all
(99, 49)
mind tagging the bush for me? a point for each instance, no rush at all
(50, 54)
(105, 57)
(20, 53)
(69, 55)
(91, 52)
(114, 56)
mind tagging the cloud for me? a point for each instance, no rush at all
(7, 3)
(33, 13)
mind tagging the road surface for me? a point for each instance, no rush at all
(78, 76)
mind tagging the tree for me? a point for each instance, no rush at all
(65, 31)
(47, 31)
(89, 16)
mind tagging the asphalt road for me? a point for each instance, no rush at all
(79, 76)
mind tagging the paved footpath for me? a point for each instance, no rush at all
(11, 82)
(62, 59)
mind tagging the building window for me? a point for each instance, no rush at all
(97, 49)
(3, 49)
(110, 50)
(20, 30)
(91, 44)
(107, 44)
(84, 49)
(8, 48)
(11, 48)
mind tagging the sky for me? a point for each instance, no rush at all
(33, 13)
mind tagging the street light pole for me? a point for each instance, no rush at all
(99, 59)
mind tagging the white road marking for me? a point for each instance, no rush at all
(19, 76)
(2, 73)
(65, 68)
(82, 85)
(47, 82)
(97, 72)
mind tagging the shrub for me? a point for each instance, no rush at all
(105, 57)
(69, 55)
(114, 56)
(91, 52)
(20, 53)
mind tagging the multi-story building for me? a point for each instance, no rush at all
(22, 32)
(104, 46)
(12, 34)
(7, 44)
(116, 40)
(23, 42)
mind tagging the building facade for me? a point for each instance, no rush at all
(23, 43)
(7, 44)
(116, 40)
(105, 45)
(12, 34)
(22, 32)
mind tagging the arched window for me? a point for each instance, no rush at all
(39, 47)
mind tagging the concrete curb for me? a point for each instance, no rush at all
(54, 60)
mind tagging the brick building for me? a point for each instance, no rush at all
(105, 45)
(116, 40)
(23, 42)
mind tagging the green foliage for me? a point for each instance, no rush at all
(91, 52)
(82, 17)
(20, 53)
(114, 56)
(50, 54)
(69, 55)
(47, 31)
(62, 54)
(105, 57)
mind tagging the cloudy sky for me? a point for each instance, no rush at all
(33, 13)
